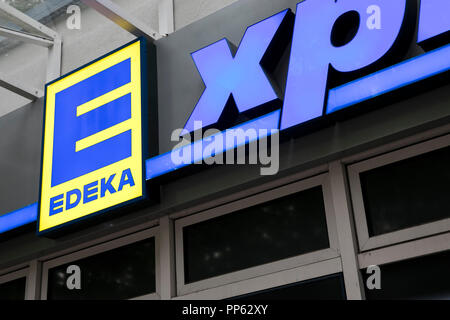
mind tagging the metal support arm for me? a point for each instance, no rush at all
(124, 19)
(26, 92)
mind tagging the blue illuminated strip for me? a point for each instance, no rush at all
(390, 79)
(163, 163)
(18, 218)
(155, 167)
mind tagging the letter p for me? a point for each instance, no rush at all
(313, 50)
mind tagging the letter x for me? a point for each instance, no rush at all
(241, 76)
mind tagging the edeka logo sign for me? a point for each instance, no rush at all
(92, 150)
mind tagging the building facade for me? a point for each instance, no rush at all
(357, 210)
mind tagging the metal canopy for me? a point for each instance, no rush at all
(25, 37)
(25, 22)
(34, 33)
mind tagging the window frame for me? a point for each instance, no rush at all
(104, 247)
(405, 251)
(418, 248)
(15, 275)
(267, 281)
(332, 252)
(364, 240)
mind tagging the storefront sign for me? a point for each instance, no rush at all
(343, 53)
(383, 31)
(92, 148)
(332, 42)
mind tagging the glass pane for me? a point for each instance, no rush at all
(47, 12)
(326, 288)
(13, 290)
(407, 193)
(122, 273)
(271, 231)
(23, 5)
(5, 23)
(421, 278)
(44, 11)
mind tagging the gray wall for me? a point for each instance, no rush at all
(20, 154)
(179, 88)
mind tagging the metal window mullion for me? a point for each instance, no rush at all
(167, 258)
(33, 286)
(404, 251)
(348, 248)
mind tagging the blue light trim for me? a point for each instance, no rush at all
(163, 163)
(390, 79)
(18, 218)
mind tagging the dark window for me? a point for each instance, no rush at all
(122, 273)
(279, 229)
(419, 278)
(407, 193)
(13, 290)
(326, 288)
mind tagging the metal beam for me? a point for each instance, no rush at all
(354, 285)
(26, 92)
(27, 23)
(166, 17)
(25, 37)
(124, 19)
(167, 259)
(54, 60)
(33, 284)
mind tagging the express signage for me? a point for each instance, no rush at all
(382, 32)
(343, 53)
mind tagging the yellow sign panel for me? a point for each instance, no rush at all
(92, 150)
